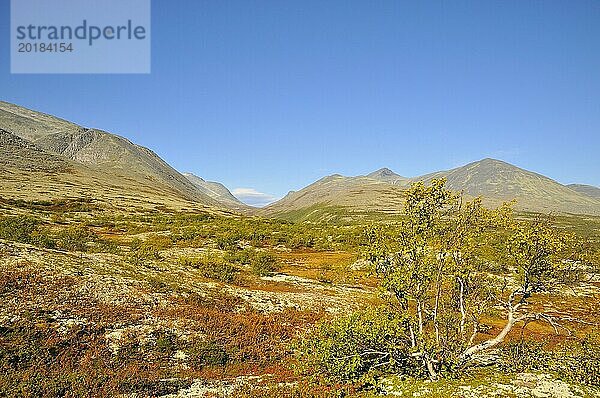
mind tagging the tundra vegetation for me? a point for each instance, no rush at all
(106, 302)
(452, 265)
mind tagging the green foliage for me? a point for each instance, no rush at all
(354, 346)
(75, 238)
(227, 241)
(142, 254)
(544, 257)
(576, 360)
(436, 271)
(25, 229)
(18, 228)
(582, 361)
(524, 356)
(211, 265)
(166, 342)
(428, 272)
(241, 257)
(301, 240)
(264, 264)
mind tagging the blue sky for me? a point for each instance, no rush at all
(272, 95)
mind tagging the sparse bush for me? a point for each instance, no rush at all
(18, 228)
(242, 257)
(159, 242)
(264, 264)
(142, 254)
(227, 241)
(577, 361)
(107, 246)
(212, 266)
(165, 342)
(75, 238)
(353, 346)
(300, 240)
(582, 362)
(524, 356)
(25, 229)
(41, 238)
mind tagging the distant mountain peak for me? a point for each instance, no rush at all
(386, 175)
(215, 190)
(491, 162)
(384, 172)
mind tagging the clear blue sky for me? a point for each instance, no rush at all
(272, 95)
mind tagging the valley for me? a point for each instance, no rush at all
(122, 277)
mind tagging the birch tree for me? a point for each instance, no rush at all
(438, 276)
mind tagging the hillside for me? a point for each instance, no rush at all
(31, 174)
(108, 152)
(588, 190)
(355, 194)
(496, 181)
(92, 163)
(217, 191)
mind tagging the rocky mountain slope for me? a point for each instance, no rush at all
(217, 191)
(496, 181)
(93, 154)
(387, 175)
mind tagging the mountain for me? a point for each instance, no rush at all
(588, 190)
(354, 194)
(496, 181)
(387, 175)
(90, 157)
(217, 191)
(30, 173)
(95, 147)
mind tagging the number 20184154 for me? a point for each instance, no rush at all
(45, 47)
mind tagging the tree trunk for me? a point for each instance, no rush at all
(430, 368)
(461, 303)
(491, 342)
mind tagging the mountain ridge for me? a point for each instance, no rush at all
(73, 152)
(495, 180)
(217, 191)
(132, 165)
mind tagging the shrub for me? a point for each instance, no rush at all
(212, 266)
(141, 253)
(41, 238)
(353, 346)
(579, 361)
(242, 257)
(18, 228)
(264, 264)
(75, 238)
(159, 242)
(165, 342)
(227, 241)
(524, 356)
(582, 362)
(300, 240)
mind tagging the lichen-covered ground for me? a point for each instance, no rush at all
(96, 304)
